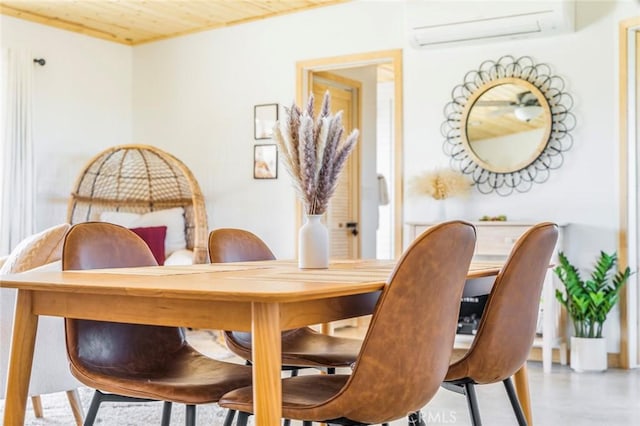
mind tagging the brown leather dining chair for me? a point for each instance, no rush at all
(406, 351)
(301, 347)
(508, 324)
(135, 362)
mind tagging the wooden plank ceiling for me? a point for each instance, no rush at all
(133, 22)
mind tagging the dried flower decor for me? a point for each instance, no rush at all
(314, 152)
(440, 184)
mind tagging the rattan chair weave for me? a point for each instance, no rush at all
(140, 179)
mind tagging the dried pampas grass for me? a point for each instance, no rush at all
(314, 152)
(440, 184)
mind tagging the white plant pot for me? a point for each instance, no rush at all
(588, 354)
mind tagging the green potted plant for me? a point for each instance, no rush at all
(588, 303)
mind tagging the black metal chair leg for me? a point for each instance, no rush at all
(515, 403)
(472, 402)
(166, 413)
(100, 397)
(331, 371)
(190, 415)
(228, 420)
(90, 418)
(307, 423)
(242, 418)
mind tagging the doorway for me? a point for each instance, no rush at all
(344, 209)
(377, 200)
(629, 238)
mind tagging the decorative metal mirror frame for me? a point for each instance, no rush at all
(508, 69)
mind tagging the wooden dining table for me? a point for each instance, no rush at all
(262, 297)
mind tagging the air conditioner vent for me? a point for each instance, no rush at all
(522, 20)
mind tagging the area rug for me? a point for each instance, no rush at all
(57, 411)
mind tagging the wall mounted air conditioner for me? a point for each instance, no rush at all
(439, 24)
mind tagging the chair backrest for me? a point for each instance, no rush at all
(107, 347)
(508, 324)
(237, 245)
(50, 371)
(406, 351)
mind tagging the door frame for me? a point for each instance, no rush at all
(628, 234)
(303, 71)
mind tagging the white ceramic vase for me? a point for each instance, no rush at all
(313, 244)
(588, 354)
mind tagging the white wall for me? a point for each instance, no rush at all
(195, 94)
(584, 191)
(82, 105)
(194, 97)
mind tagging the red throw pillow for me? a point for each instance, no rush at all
(154, 237)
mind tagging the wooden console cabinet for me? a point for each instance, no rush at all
(494, 242)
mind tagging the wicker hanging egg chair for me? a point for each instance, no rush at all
(141, 179)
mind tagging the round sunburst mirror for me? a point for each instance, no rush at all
(508, 125)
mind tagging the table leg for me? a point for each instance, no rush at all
(521, 380)
(23, 342)
(267, 363)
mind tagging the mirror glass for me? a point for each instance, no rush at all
(507, 125)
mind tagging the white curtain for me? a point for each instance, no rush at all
(17, 170)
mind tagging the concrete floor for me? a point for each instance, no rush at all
(561, 397)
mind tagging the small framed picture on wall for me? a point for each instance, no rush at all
(264, 118)
(265, 161)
